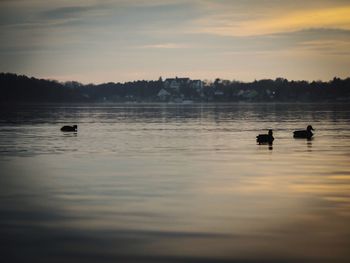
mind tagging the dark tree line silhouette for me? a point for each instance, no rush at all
(19, 88)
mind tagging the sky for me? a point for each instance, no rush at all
(124, 40)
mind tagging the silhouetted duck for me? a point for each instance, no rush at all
(305, 134)
(73, 128)
(265, 138)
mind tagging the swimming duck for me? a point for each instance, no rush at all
(73, 128)
(306, 134)
(265, 138)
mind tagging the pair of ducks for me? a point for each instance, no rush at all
(268, 138)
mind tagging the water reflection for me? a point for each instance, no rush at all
(172, 183)
(70, 134)
(309, 144)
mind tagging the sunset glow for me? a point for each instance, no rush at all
(331, 18)
(101, 41)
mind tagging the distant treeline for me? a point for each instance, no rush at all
(18, 88)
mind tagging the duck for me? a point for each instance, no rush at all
(265, 138)
(305, 134)
(73, 128)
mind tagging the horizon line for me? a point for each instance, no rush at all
(203, 80)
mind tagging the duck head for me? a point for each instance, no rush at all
(309, 128)
(270, 133)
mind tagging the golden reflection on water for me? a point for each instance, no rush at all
(176, 187)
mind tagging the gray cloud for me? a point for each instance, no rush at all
(65, 12)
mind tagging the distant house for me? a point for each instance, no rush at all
(197, 84)
(219, 93)
(163, 94)
(176, 83)
(247, 94)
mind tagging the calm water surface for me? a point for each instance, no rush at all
(174, 183)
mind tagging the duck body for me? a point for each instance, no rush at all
(304, 134)
(67, 128)
(265, 138)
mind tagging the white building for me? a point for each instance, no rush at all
(163, 94)
(197, 84)
(176, 83)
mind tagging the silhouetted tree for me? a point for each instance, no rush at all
(19, 88)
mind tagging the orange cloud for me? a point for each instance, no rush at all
(334, 18)
(166, 46)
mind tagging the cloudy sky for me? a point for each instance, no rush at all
(122, 40)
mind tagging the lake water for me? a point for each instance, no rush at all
(174, 183)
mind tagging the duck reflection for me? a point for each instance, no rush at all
(309, 144)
